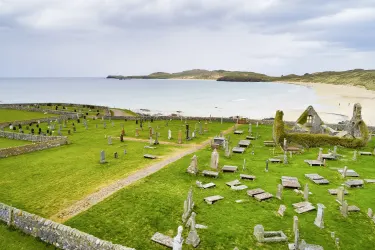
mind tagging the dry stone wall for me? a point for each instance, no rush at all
(25, 122)
(12, 151)
(56, 234)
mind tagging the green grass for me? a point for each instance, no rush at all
(7, 143)
(74, 108)
(11, 239)
(155, 204)
(10, 115)
(60, 176)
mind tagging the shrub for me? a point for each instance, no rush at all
(318, 140)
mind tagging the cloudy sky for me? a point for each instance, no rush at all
(100, 37)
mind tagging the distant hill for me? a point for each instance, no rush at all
(356, 77)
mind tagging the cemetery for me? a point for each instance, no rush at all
(187, 183)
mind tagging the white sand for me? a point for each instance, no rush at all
(341, 99)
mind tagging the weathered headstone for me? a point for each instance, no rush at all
(193, 238)
(244, 164)
(178, 240)
(355, 155)
(214, 159)
(285, 158)
(169, 134)
(306, 192)
(136, 132)
(109, 140)
(370, 213)
(193, 168)
(319, 222)
(102, 157)
(188, 206)
(344, 208)
(279, 191)
(115, 155)
(187, 132)
(295, 224)
(320, 155)
(340, 195)
(281, 210)
(344, 171)
(267, 161)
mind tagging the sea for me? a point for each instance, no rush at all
(254, 100)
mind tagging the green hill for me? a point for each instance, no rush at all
(356, 77)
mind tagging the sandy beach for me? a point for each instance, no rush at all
(341, 99)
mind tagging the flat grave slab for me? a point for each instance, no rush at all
(354, 183)
(148, 156)
(293, 149)
(208, 185)
(349, 173)
(335, 191)
(370, 180)
(365, 153)
(247, 177)
(269, 143)
(227, 168)
(238, 132)
(303, 207)
(256, 191)
(290, 182)
(210, 173)
(274, 160)
(244, 143)
(329, 157)
(353, 208)
(162, 240)
(233, 183)
(240, 187)
(314, 163)
(250, 137)
(212, 199)
(238, 150)
(321, 182)
(149, 147)
(317, 179)
(263, 196)
(219, 140)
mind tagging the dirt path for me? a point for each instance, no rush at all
(107, 191)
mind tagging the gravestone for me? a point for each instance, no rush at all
(178, 240)
(179, 137)
(355, 155)
(115, 155)
(188, 205)
(244, 165)
(344, 208)
(340, 195)
(320, 155)
(279, 191)
(285, 158)
(193, 168)
(193, 134)
(193, 238)
(281, 210)
(228, 151)
(214, 160)
(295, 224)
(306, 192)
(102, 157)
(121, 138)
(266, 166)
(169, 134)
(370, 213)
(136, 132)
(104, 125)
(200, 128)
(109, 140)
(156, 139)
(187, 132)
(319, 222)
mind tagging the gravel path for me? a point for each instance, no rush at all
(107, 191)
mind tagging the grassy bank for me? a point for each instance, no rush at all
(6, 143)
(9, 115)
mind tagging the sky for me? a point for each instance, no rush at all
(81, 38)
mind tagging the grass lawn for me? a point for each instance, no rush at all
(44, 182)
(7, 143)
(11, 239)
(74, 108)
(10, 115)
(155, 204)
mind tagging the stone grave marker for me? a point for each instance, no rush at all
(193, 238)
(178, 240)
(281, 210)
(193, 168)
(109, 140)
(306, 192)
(344, 208)
(319, 222)
(169, 134)
(279, 191)
(102, 157)
(214, 160)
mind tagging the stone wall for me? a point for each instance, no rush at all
(29, 137)
(56, 234)
(29, 107)
(12, 151)
(26, 122)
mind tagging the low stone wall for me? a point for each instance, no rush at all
(29, 137)
(56, 234)
(12, 151)
(29, 107)
(26, 122)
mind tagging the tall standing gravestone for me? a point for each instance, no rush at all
(215, 159)
(187, 132)
(102, 157)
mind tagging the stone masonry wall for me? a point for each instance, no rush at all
(12, 151)
(56, 234)
(29, 137)
(25, 122)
